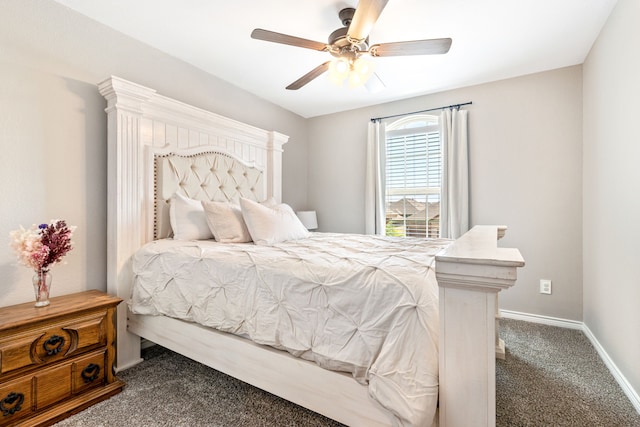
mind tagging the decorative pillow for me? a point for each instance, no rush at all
(225, 222)
(270, 202)
(269, 225)
(187, 219)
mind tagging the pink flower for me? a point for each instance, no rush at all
(40, 246)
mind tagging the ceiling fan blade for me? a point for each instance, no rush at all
(272, 36)
(416, 47)
(309, 76)
(367, 13)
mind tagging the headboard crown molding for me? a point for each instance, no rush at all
(140, 99)
(121, 93)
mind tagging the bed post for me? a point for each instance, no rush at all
(125, 189)
(470, 273)
(274, 164)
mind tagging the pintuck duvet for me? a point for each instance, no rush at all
(362, 304)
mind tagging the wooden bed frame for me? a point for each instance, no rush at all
(470, 273)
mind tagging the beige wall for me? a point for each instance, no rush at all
(53, 130)
(526, 172)
(612, 189)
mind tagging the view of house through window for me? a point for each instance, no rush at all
(413, 177)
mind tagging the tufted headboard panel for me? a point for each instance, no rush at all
(208, 175)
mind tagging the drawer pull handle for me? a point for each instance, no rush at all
(12, 403)
(53, 345)
(90, 373)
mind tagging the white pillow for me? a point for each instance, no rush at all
(225, 222)
(187, 219)
(270, 202)
(269, 225)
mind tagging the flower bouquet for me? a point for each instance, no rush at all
(39, 247)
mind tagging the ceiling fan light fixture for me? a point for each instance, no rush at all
(363, 67)
(361, 70)
(342, 66)
(339, 70)
(355, 80)
(356, 71)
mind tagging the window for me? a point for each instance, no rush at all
(413, 177)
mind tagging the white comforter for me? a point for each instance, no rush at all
(362, 304)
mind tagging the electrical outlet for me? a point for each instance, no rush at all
(545, 286)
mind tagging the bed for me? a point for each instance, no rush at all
(157, 147)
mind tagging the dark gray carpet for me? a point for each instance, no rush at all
(552, 377)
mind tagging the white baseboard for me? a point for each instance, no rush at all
(621, 379)
(545, 320)
(628, 390)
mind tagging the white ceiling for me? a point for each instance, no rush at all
(492, 40)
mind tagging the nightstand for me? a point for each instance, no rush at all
(56, 360)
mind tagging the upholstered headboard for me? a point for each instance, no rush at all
(201, 175)
(142, 124)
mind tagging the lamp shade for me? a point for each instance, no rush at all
(308, 219)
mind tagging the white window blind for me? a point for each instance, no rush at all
(413, 178)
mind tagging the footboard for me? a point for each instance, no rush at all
(470, 273)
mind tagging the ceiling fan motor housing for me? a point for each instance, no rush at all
(341, 46)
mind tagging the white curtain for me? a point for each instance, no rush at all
(454, 198)
(374, 214)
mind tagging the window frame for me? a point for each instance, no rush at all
(402, 128)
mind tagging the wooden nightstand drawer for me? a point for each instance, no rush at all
(15, 400)
(15, 351)
(56, 342)
(88, 372)
(52, 385)
(89, 332)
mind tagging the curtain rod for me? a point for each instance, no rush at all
(457, 106)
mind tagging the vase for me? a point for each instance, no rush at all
(42, 286)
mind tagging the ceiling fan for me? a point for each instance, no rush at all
(348, 43)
